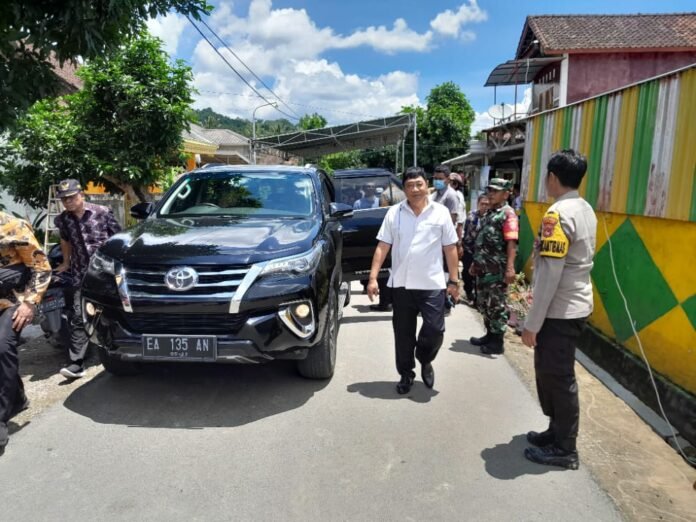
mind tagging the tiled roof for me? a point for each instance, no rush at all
(558, 33)
(66, 73)
(221, 137)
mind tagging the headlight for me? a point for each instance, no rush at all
(101, 264)
(300, 264)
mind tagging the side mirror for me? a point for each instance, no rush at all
(341, 210)
(142, 210)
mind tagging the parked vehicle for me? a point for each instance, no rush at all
(233, 264)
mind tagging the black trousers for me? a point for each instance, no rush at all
(554, 364)
(11, 387)
(469, 280)
(424, 347)
(385, 292)
(79, 342)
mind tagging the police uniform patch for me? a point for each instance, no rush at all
(553, 241)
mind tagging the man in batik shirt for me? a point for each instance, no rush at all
(24, 277)
(83, 227)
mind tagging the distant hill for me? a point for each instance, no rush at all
(212, 120)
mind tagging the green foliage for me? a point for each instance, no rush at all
(123, 129)
(340, 160)
(212, 120)
(31, 31)
(312, 121)
(444, 126)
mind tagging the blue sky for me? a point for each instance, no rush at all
(358, 59)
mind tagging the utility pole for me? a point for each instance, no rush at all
(252, 145)
(415, 139)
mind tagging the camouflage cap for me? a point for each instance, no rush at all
(500, 184)
(68, 187)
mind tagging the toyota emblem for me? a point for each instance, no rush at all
(181, 278)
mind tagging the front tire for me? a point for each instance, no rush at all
(321, 360)
(116, 366)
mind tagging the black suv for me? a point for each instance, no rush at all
(234, 264)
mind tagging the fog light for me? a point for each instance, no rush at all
(302, 311)
(90, 309)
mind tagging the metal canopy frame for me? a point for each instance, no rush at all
(518, 72)
(360, 135)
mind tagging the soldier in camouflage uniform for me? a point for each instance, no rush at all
(494, 265)
(24, 277)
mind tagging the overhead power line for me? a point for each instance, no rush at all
(313, 107)
(237, 72)
(248, 68)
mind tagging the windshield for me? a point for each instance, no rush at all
(242, 194)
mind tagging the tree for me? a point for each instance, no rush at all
(33, 31)
(312, 121)
(123, 129)
(444, 126)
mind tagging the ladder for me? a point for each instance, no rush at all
(53, 208)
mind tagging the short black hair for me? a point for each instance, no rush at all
(444, 169)
(568, 166)
(413, 173)
(482, 196)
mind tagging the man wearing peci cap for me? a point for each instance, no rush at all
(83, 228)
(494, 265)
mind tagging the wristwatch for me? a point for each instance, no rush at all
(451, 282)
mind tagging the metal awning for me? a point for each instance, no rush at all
(518, 72)
(361, 135)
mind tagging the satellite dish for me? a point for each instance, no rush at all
(501, 111)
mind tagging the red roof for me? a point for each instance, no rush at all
(605, 33)
(66, 73)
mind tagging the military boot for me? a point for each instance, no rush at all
(494, 345)
(480, 341)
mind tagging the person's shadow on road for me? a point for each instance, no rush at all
(462, 346)
(506, 461)
(191, 396)
(387, 390)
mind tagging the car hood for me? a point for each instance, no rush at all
(212, 240)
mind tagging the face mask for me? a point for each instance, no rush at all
(439, 184)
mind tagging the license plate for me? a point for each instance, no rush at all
(182, 347)
(48, 305)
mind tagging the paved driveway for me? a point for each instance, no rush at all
(260, 443)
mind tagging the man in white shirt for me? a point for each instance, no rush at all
(417, 231)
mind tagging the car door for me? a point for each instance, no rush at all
(360, 230)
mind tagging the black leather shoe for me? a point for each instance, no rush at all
(552, 455)
(4, 437)
(480, 341)
(381, 307)
(494, 346)
(540, 439)
(428, 375)
(404, 385)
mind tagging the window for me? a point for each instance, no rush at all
(242, 194)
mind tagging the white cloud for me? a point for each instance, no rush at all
(169, 29)
(450, 23)
(286, 47)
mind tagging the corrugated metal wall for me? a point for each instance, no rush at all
(640, 143)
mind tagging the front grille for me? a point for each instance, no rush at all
(216, 281)
(184, 324)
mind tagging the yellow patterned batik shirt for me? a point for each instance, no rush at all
(19, 246)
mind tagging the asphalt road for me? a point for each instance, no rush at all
(260, 443)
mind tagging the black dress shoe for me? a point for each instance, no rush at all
(494, 345)
(552, 455)
(428, 375)
(4, 437)
(540, 439)
(381, 307)
(404, 385)
(480, 341)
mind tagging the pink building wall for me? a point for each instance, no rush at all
(594, 73)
